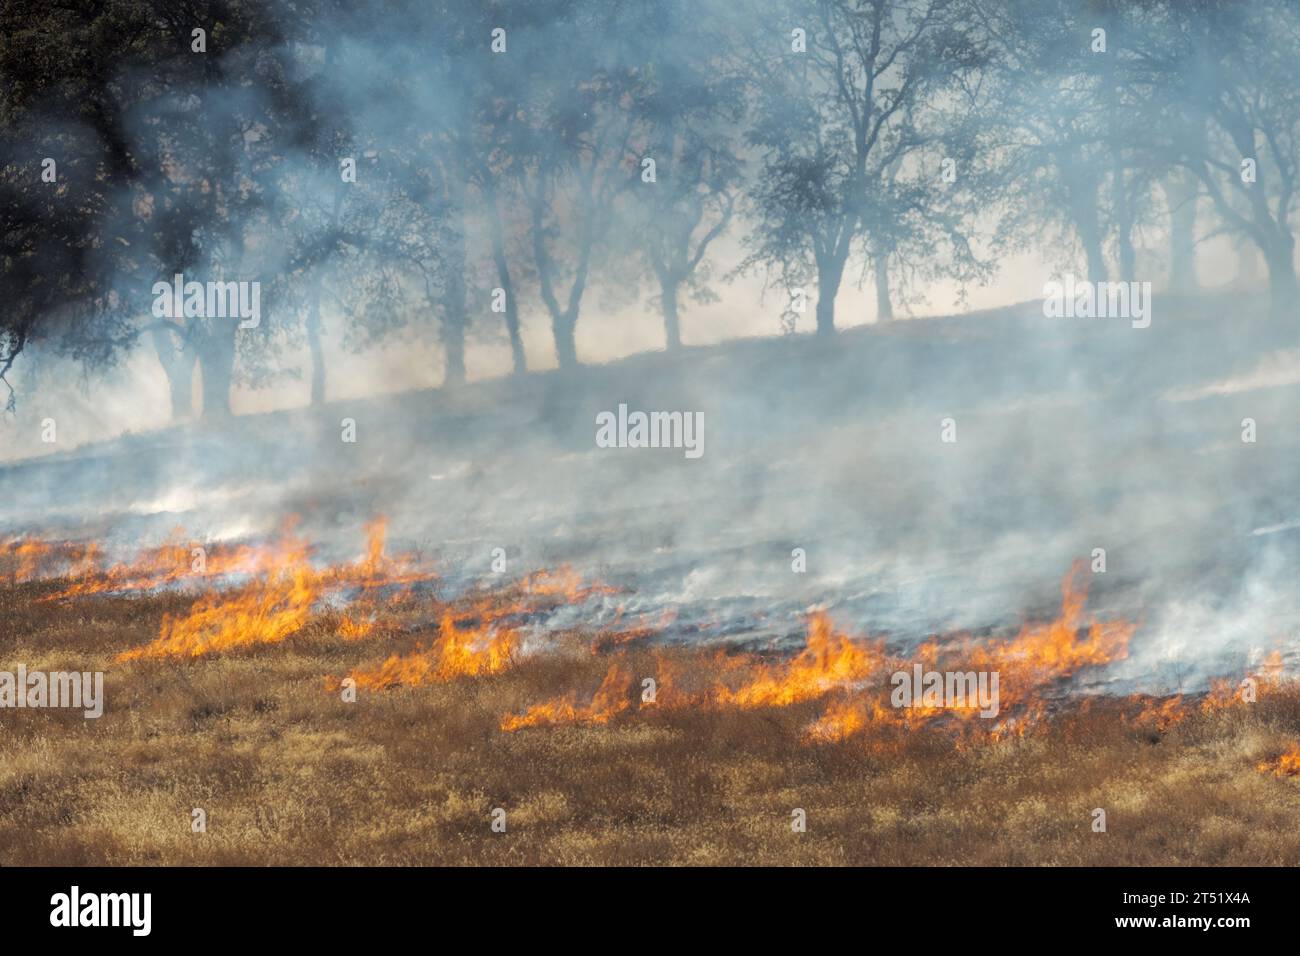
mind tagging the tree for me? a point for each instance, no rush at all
(1182, 193)
(836, 123)
(1235, 125)
(1047, 120)
(68, 234)
(576, 157)
(693, 103)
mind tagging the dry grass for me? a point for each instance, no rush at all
(289, 773)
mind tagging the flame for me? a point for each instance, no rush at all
(30, 558)
(373, 573)
(1286, 765)
(610, 699)
(1043, 653)
(646, 627)
(355, 628)
(1225, 694)
(847, 718)
(266, 611)
(25, 556)
(565, 582)
(165, 564)
(179, 561)
(1021, 723)
(488, 646)
(376, 534)
(458, 652)
(476, 636)
(376, 568)
(273, 606)
(1160, 715)
(1027, 664)
(829, 660)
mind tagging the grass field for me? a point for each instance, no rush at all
(288, 772)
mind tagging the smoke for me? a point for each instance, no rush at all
(1069, 436)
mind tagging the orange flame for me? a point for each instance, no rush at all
(266, 611)
(1225, 694)
(154, 567)
(272, 607)
(610, 699)
(1161, 715)
(1286, 765)
(565, 582)
(647, 626)
(458, 652)
(1026, 664)
(847, 718)
(29, 559)
(829, 660)
(1043, 653)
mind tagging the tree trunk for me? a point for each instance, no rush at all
(884, 307)
(564, 320)
(453, 342)
(1247, 261)
(1180, 195)
(314, 324)
(1097, 271)
(1282, 289)
(217, 362)
(828, 286)
(1090, 236)
(566, 351)
(519, 361)
(455, 313)
(1083, 203)
(672, 323)
(1125, 254)
(314, 343)
(1124, 216)
(507, 284)
(825, 314)
(455, 308)
(178, 365)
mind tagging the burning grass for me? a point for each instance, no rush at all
(610, 699)
(601, 747)
(458, 651)
(1286, 765)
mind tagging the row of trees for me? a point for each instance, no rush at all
(454, 161)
